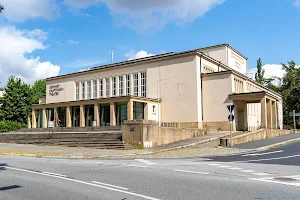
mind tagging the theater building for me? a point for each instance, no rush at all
(187, 89)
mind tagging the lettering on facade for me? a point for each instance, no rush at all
(54, 90)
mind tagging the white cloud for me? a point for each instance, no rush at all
(141, 54)
(150, 16)
(72, 42)
(16, 10)
(15, 45)
(296, 3)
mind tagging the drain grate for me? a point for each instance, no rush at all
(285, 179)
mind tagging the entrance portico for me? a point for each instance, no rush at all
(105, 112)
(268, 110)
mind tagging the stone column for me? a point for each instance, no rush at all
(55, 114)
(263, 113)
(82, 116)
(274, 115)
(28, 120)
(96, 114)
(44, 118)
(112, 114)
(33, 119)
(68, 117)
(130, 110)
(269, 114)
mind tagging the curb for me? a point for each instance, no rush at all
(277, 144)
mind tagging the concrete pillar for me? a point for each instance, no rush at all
(33, 119)
(112, 114)
(82, 116)
(274, 115)
(29, 120)
(130, 110)
(96, 114)
(263, 113)
(269, 113)
(68, 117)
(44, 118)
(55, 115)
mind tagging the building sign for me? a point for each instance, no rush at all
(54, 90)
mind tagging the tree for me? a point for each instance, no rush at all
(17, 101)
(259, 75)
(1, 8)
(38, 89)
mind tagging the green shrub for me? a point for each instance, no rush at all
(7, 126)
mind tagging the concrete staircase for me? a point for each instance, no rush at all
(99, 137)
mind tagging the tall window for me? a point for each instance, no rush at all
(128, 84)
(114, 86)
(143, 84)
(107, 87)
(83, 90)
(94, 89)
(89, 89)
(135, 84)
(77, 91)
(120, 85)
(100, 88)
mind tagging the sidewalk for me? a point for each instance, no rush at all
(190, 147)
(269, 142)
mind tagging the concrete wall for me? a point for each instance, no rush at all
(215, 98)
(162, 82)
(147, 134)
(257, 135)
(218, 53)
(236, 62)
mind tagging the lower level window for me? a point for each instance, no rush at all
(138, 110)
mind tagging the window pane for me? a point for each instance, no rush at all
(143, 84)
(128, 84)
(77, 91)
(95, 89)
(135, 84)
(101, 88)
(107, 87)
(83, 90)
(89, 89)
(120, 85)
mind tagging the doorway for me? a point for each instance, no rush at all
(105, 115)
(121, 113)
(75, 116)
(241, 120)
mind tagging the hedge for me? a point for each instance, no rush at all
(8, 126)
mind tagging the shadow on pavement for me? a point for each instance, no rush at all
(2, 166)
(9, 187)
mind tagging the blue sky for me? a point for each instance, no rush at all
(45, 38)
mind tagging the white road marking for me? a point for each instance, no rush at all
(247, 171)
(54, 174)
(260, 154)
(110, 185)
(145, 161)
(224, 166)
(235, 168)
(141, 166)
(83, 182)
(274, 181)
(261, 174)
(194, 172)
(96, 162)
(279, 158)
(214, 164)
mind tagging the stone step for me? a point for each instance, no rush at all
(71, 129)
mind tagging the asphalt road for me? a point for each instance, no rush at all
(38, 178)
(284, 155)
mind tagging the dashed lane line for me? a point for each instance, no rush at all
(260, 154)
(145, 161)
(271, 180)
(261, 174)
(235, 168)
(54, 174)
(110, 185)
(278, 158)
(193, 172)
(83, 182)
(214, 164)
(224, 166)
(247, 171)
(140, 166)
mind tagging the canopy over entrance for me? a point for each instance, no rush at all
(249, 97)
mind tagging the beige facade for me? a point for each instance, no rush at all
(188, 89)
